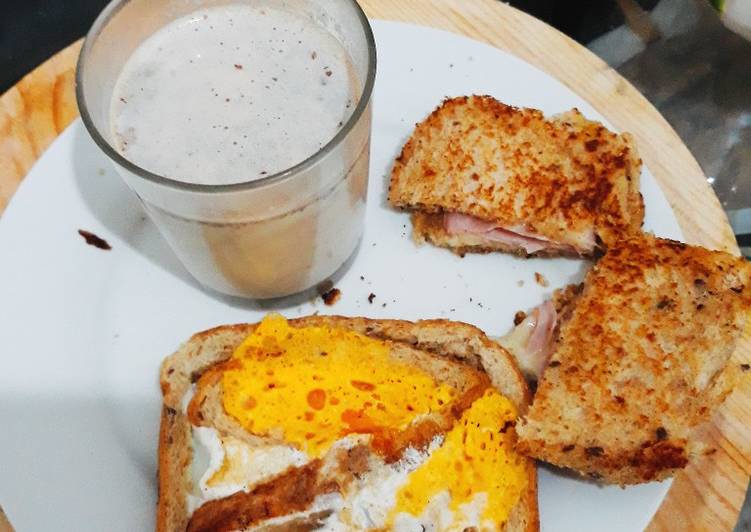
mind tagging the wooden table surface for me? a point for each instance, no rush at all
(707, 495)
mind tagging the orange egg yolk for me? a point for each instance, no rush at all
(477, 457)
(314, 385)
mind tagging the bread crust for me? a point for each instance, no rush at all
(204, 350)
(565, 178)
(640, 361)
(174, 468)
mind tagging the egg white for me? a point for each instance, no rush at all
(366, 504)
(438, 516)
(247, 465)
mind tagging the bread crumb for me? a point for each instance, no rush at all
(332, 296)
(94, 240)
(519, 317)
(541, 280)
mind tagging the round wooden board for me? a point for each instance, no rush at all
(706, 496)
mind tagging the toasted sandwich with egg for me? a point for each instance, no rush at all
(482, 176)
(632, 362)
(332, 423)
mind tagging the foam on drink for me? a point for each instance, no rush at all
(231, 94)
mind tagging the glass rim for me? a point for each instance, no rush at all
(101, 22)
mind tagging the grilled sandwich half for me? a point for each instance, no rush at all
(633, 361)
(482, 176)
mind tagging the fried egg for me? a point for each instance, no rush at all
(327, 390)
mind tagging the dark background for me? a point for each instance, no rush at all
(33, 30)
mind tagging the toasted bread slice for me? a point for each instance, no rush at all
(640, 361)
(565, 184)
(451, 351)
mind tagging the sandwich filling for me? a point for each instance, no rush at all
(337, 412)
(490, 233)
(531, 341)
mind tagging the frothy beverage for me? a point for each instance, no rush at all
(233, 95)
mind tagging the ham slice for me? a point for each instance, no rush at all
(531, 342)
(456, 224)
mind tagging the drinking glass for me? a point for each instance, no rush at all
(269, 237)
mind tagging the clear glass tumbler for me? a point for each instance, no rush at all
(270, 237)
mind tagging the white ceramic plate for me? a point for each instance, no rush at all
(83, 330)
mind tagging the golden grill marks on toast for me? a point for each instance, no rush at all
(481, 176)
(451, 352)
(640, 361)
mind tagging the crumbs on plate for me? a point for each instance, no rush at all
(332, 296)
(94, 240)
